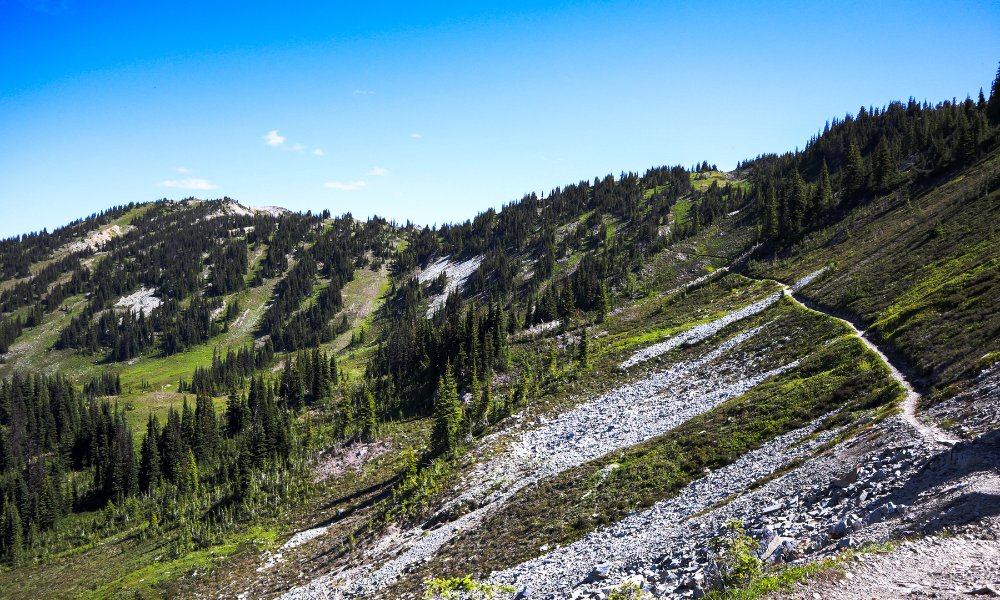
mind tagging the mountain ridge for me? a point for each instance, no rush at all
(574, 396)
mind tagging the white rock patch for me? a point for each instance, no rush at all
(699, 332)
(457, 274)
(798, 285)
(98, 238)
(141, 301)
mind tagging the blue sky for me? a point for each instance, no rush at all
(435, 111)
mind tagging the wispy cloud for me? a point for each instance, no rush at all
(416, 136)
(189, 184)
(298, 147)
(360, 92)
(379, 172)
(273, 139)
(183, 170)
(348, 186)
(319, 152)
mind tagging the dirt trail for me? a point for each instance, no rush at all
(909, 404)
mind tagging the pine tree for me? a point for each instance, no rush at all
(797, 203)
(885, 166)
(13, 544)
(553, 360)
(773, 223)
(191, 478)
(993, 105)
(824, 191)
(334, 372)
(149, 463)
(566, 304)
(237, 418)
(447, 414)
(603, 303)
(206, 428)
(854, 177)
(583, 354)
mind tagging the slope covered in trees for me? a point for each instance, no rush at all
(234, 314)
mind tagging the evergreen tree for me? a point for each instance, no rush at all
(603, 303)
(797, 203)
(824, 191)
(855, 176)
(13, 544)
(448, 414)
(369, 421)
(993, 105)
(191, 476)
(583, 353)
(237, 417)
(206, 438)
(884, 168)
(149, 463)
(772, 220)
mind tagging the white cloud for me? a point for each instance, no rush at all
(416, 136)
(298, 147)
(183, 170)
(360, 92)
(273, 139)
(379, 172)
(189, 184)
(319, 152)
(348, 186)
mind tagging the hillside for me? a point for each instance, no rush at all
(783, 379)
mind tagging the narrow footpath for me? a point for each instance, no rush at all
(909, 405)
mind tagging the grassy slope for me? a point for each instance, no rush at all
(924, 273)
(129, 566)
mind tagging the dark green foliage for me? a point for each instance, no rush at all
(229, 267)
(105, 384)
(229, 371)
(448, 415)
(149, 457)
(855, 176)
(993, 106)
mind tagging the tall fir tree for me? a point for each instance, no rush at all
(824, 191)
(993, 105)
(149, 456)
(855, 175)
(368, 416)
(448, 414)
(772, 220)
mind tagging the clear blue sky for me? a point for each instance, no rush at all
(435, 111)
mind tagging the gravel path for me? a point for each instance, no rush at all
(909, 404)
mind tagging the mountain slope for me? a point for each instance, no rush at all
(579, 392)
